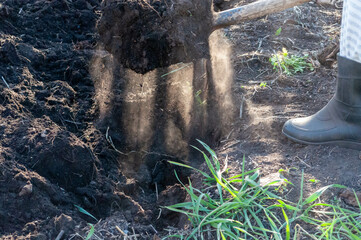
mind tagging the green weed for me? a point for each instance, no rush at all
(238, 207)
(290, 64)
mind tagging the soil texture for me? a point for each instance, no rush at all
(147, 35)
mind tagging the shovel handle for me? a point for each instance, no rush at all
(252, 11)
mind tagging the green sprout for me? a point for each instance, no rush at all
(198, 98)
(263, 84)
(278, 32)
(314, 180)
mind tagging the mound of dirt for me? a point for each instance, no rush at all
(144, 36)
(55, 149)
(53, 154)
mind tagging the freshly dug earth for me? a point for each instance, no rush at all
(55, 152)
(52, 156)
(145, 36)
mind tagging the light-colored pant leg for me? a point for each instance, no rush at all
(350, 42)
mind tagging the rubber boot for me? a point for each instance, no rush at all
(339, 122)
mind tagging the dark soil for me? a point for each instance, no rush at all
(80, 126)
(52, 154)
(145, 36)
(58, 149)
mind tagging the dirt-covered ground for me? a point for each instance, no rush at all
(309, 29)
(77, 128)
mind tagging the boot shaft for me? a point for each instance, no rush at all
(348, 90)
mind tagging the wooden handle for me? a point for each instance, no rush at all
(251, 11)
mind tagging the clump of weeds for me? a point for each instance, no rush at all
(290, 64)
(238, 207)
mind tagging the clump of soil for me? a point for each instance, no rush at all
(145, 36)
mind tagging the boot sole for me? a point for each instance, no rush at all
(344, 143)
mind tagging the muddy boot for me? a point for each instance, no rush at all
(339, 122)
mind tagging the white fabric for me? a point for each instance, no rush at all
(350, 42)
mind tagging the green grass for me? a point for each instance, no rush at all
(290, 64)
(238, 207)
(92, 229)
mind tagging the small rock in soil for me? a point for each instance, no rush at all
(349, 197)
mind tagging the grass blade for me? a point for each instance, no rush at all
(288, 231)
(91, 232)
(319, 192)
(82, 210)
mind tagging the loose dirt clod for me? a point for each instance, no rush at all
(26, 190)
(144, 36)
